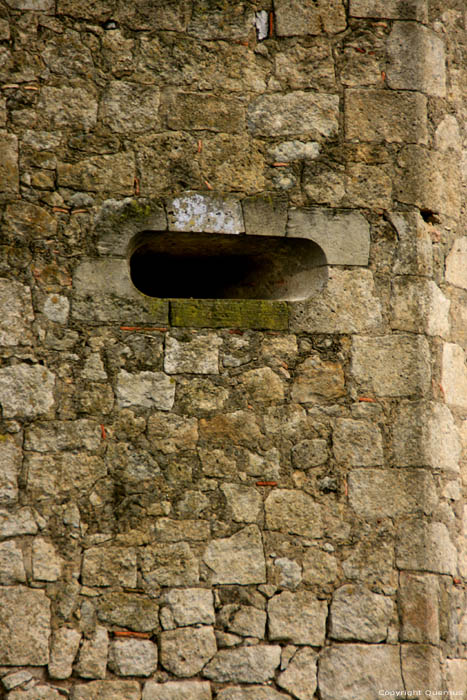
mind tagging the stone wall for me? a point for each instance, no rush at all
(228, 499)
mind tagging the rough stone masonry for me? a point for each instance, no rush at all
(233, 499)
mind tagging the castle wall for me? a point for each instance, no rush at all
(225, 498)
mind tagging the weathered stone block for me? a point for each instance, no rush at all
(299, 618)
(56, 308)
(107, 690)
(302, 17)
(384, 115)
(416, 59)
(109, 173)
(177, 690)
(357, 614)
(26, 391)
(374, 493)
(246, 621)
(35, 5)
(357, 443)
(368, 186)
(237, 559)
(310, 453)
(195, 111)
(295, 114)
(166, 15)
(344, 235)
(239, 427)
(212, 21)
(390, 9)
(191, 606)
(29, 221)
(265, 215)
(14, 524)
(78, 107)
(456, 264)
(348, 304)
(9, 174)
(54, 436)
(420, 306)
(454, 375)
(64, 473)
(39, 692)
(200, 355)
(457, 675)
(263, 385)
(421, 666)
(230, 313)
(319, 567)
(300, 676)
(293, 511)
(169, 530)
(11, 564)
(418, 600)
(255, 692)
(65, 644)
(170, 565)
(243, 502)
(425, 546)
(133, 657)
(125, 103)
(16, 314)
(170, 433)
(130, 610)
(255, 664)
(205, 212)
(185, 651)
(10, 460)
(92, 660)
(118, 221)
(414, 254)
(25, 627)
(392, 365)
(46, 563)
(372, 561)
(109, 565)
(146, 389)
(359, 671)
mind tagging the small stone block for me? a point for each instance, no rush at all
(230, 313)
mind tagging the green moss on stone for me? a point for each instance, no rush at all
(230, 313)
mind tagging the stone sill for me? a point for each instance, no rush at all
(229, 313)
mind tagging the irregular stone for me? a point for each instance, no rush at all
(146, 389)
(290, 572)
(290, 151)
(65, 644)
(454, 375)
(296, 18)
(164, 16)
(39, 692)
(169, 530)
(239, 428)
(416, 59)
(293, 511)
(198, 356)
(205, 212)
(300, 676)
(390, 9)
(170, 564)
(20, 523)
(107, 690)
(456, 264)
(359, 671)
(109, 173)
(245, 620)
(125, 103)
(54, 436)
(118, 220)
(237, 559)
(317, 379)
(78, 107)
(298, 618)
(319, 567)
(185, 651)
(109, 565)
(421, 666)
(265, 215)
(372, 561)
(130, 610)
(414, 254)
(411, 108)
(16, 314)
(295, 114)
(26, 390)
(344, 235)
(244, 502)
(11, 459)
(418, 600)
(263, 385)
(191, 606)
(29, 221)
(25, 626)
(195, 111)
(310, 453)
(200, 394)
(65, 473)
(252, 693)
(13, 680)
(348, 304)
(177, 690)
(267, 467)
(357, 614)
(425, 546)
(255, 664)
(357, 443)
(220, 22)
(170, 433)
(392, 365)
(92, 660)
(217, 463)
(374, 493)
(56, 308)
(46, 563)
(11, 564)
(36, 5)
(133, 657)
(9, 175)
(289, 420)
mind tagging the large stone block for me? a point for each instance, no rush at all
(357, 614)
(456, 264)
(298, 618)
(65, 644)
(92, 659)
(376, 493)
(196, 111)
(299, 678)
(213, 21)
(254, 692)
(10, 461)
(418, 305)
(145, 389)
(177, 690)
(205, 212)
(49, 475)
(118, 220)
(416, 59)
(424, 546)
(107, 690)
(384, 115)
(16, 314)
(133, 657)
(124, 104)
(414, 254)
(24, 627)
(200, 355)
(191, 606)
(78, 107)
(14, 524)
(165, 15)
(55, 436)
(454, 375)
(136, 612)
(9, 174)
(11, 564)
(185, 651)
(302, 17)
(390, 9)
(170, 433)
(239, 427)
(237, 559)
(253, 664)
(26, 391)
(106, 566)
(265, 215)
(418, 600)
(397, 365)
(169, 565)
(421, 667)
(295, 114)
(294, 512)
(357, 443)
(109, 173)
(29, 222)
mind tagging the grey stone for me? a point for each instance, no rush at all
(169, 530)
(252, 693)
(191, 606)
(13, 680)
(420, 306)
(11, 564)
(372, 561)
(109, 565)
(132, 657)
(237, 559)
(108, 173)
(26, 391)
(253, 664)
(357, 443)
(359, 671)
(382, 105)
(319, 567)
(293, 511)
(185, 651)
(421, 666)
(198, 356)
(263, 385)
(265, 215)
(170, 565)
(454, 375)
(146, 389)
(9, 175)
(457, 675)
(418, 599)
(118, 222)
(344, 235)
(244, 502)
(22, 522)
(16, 314)
(447, 135)
(456, 264)
(414, 254)
(425, 546)
(92, 659)
(78, 107)
(310, 453)
(357, 614)
(290, 151)
(376, 493)
(316, 378)
(25, 626)
(219, 22)
(65, 473)
(125, 103)
(290, 572)
(39, 692)
(200, 394)
(304, 17)
(107, 690)
(54, 436)
(35, 5)
(56, 308)
(299, 618)
(391, 365)
(348, 304)
(65, 644)
(416, 59)
(11, 460)
(46, 563)
(299, 678)
(296, 114)
(170, 433)
(217, 463)
(245, 620)
(205, 212)
(390, 9)
(136, 612)
(177, 690)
